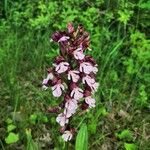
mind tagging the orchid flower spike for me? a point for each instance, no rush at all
(72, 77)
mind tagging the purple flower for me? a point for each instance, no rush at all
(70, 107)
(76, 92)
(87, 68)
(73, 75)
(59, 36)
(62, 120)
(61, 67)
(67, 136)
(90, 101)
(88, 80)
(78, 54)
(57, 89)
(64, 38)
(49, 77)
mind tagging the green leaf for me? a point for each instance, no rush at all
(12, 138)
(82, 138)
(129, 146)
(145, 5)
(33, 119)
(125, 134)
(9, 121)
(10, 127)
(31, 145)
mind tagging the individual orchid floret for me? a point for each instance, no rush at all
(70, 107)
(62, 119)
(61, 67)
(94, 87)
(68, 112)
(57, 89)
(67, 136)
(64, 38)
(90, 101)
(59, 36)
(73, 75)
(78, 54)
(71, 104)
(88, 80)
(76, 93)
(50, 76)
(86, 67)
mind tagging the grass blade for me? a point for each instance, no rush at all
(82, 138)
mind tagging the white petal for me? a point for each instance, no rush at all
(64, 38)
(77, 93)
(45, 81)
(90, 101)
(67, 136)
(44, 87)
(62, 67)
(50, 76)
(61, 119)
(57, 90)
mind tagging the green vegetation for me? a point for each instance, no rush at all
(119, 32)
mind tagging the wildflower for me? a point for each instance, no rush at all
(67, 136)
(90, 101)
(61, 67)
(76, 92)
(62, 120)
(78, 54)
(59, 36)
(87, 68)
(90, 82)
(64, 38)
(49, 77)
(57, 89)
(70, 107)
(74, 75)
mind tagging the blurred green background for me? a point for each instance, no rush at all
(119, 32)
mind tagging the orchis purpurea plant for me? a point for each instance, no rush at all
(72, 76)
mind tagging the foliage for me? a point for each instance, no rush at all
(12, 138)
(82, 138)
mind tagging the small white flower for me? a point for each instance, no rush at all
(67, 136)
(62, 119)
(77, 93)
(71, 104)
(57, 89)
(94, 86)
(90, 101)
(74, 75)
(87, 79)
(61, 67)
(78, 54)
(70, 107)
(90, 82)
(87, 68)
(69, 113)
(50, 76)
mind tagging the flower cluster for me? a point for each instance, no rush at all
(72, 76)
